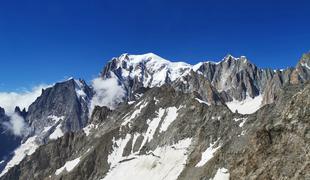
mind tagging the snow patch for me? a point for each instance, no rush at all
(27, 148)
(56, 118)
(88, 129)
(69, 166)
(46, 129)
(57, 133)
(134, 114)
(248, 106)
(135, 137)
(118, 148)
(242, 133)
(170, 117)
(243, 120)
(197, 66)
(153, 125)
(221, 174)
(164, 163)
(202, 102)
(156, 100)
(305, 65)
(131, 102)
(207, 154)
(79, 89)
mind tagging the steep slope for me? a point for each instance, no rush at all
(157, 129)
(61, 108)
(236, 76)
(163, 137)
(65, 102)
(236, 79)
(297, 75)
(302, 70)
(196, 83)
(274, 143)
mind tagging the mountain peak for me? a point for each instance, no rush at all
(140, 58)
(305, 60)
(229, 57)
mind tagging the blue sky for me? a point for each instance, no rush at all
(46, 41)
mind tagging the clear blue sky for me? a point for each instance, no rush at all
(45, 41)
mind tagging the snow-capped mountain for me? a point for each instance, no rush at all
(157, 119)
(237, 80)
(147, 70)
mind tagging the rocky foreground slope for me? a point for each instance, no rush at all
(168, 120)
(167, 134)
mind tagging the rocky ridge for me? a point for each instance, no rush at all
(202, 141)
(234, 78)
(168, 106)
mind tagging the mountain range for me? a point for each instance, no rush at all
(145, 117)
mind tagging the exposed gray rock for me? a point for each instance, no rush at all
(66, 101)
(297, 75)
(23, 113)
(194, 82)
(174, 102)
(94, 164)
(257, 146)
(233, 78)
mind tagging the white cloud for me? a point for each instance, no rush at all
(16, 125)
(107, 93)
(9, 100)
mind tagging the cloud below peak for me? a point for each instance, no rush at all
(17, 125)
(9, 100)
(107, 93)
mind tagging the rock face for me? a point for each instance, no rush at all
(61, 108)
(66, 104)
(122, 133)
(303, 68)
(194, 82)
(297, 75)
(176, 122)
(234, 78)
(23, 113)
(170, 134)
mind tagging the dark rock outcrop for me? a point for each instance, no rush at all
(23, 113)
(61, 101)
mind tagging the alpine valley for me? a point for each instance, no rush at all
(148, 118)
